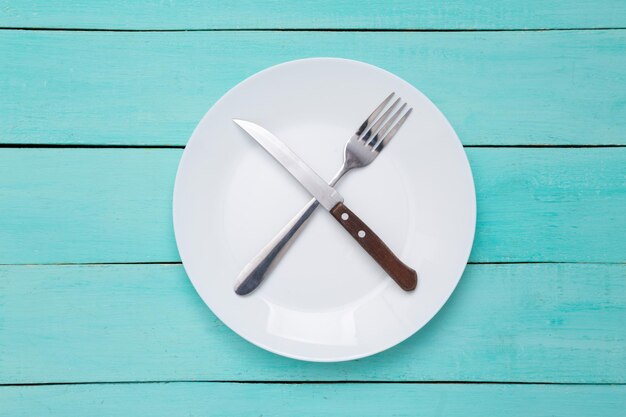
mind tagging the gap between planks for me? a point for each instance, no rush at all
(321, 382)
(53, 29)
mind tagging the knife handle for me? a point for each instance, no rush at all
(405, 276)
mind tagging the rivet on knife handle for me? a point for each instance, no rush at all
(404, 275)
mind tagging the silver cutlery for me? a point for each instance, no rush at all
(360, 151)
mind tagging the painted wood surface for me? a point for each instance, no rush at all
(375, 400)
(377, 14)
(521, 323)
(527, 325)
(496, 88)
(114, 205)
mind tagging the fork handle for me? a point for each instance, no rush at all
(403, 275)
(256, 270)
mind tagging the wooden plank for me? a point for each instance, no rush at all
(114, 205)
(87, 205)
(376, 14)
(523, 322)
(376, 400)
(509, 88)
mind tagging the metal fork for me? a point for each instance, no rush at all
(361, 149)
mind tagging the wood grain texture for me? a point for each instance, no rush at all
(526, 322)
(377, 14)
(375, 400)
(559, 323)
(503, 88)
(114, 205)
(402, 274)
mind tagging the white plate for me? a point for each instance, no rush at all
(326, 300)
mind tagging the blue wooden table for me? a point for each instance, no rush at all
(97, 100)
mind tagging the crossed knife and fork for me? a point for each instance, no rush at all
(362, 148)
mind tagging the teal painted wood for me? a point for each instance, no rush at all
(523, 322)
(114, 205)
(555, 87)
(396, 14)
(375, 400)
(77, 205)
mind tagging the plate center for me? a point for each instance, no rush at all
(324, 268)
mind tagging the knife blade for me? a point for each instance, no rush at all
(332, 201)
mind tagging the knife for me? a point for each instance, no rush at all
(332, 201)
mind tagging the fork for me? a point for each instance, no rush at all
(360, 150)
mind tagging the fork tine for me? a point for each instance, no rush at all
(373, 116)
(383, 130)
(380, 120)
(393, 131)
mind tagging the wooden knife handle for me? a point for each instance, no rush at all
(404, 276)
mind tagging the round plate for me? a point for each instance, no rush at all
(326, 300)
